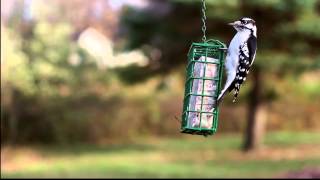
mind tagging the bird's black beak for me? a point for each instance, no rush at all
(236, 23)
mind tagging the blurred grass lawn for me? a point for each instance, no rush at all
(190, 156)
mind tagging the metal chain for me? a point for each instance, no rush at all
(204, 28)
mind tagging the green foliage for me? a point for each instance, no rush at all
(288, 32)
(43, 75)
(288, 43)
(14, 65)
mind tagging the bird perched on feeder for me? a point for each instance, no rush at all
(240, 56)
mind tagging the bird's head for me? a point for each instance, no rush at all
(245, 24)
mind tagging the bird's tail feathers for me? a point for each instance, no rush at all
(228, 87)
(236, 92)
(223, 93)
(220, 97)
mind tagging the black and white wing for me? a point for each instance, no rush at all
(246, 58)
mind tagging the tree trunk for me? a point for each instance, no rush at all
(256, 116)
(13, 119)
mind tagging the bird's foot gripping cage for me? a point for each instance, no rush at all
(202, 87)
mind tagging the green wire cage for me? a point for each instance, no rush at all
(203, 84)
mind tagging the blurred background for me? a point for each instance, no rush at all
(95, 89)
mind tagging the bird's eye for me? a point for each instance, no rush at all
(243, 21)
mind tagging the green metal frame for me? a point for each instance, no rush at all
(212, 49)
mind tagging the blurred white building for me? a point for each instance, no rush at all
(101, 48)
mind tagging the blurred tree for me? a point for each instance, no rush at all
(41, 67)
(288, 43)
(52, 89)
(15, 76)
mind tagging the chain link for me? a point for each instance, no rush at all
(204, 28)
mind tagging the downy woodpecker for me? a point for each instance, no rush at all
(240, 56)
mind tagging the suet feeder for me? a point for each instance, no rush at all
(203, 84)
(204, 72)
